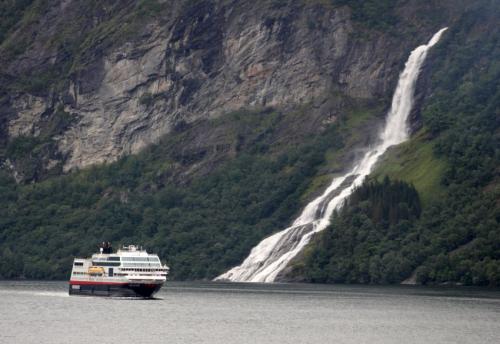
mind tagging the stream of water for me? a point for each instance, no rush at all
(271, 255)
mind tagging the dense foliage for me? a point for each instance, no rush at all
(203, 224)
(457, 238)
(360, 245)
(464, 117)
(200, 228)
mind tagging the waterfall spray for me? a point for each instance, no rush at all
(271, 255)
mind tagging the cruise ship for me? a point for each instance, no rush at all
(130, 272)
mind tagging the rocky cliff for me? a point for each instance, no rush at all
(197, 128)
(122, 74)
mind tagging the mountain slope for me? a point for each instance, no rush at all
(115, 79)
(453, 163)
(236, 114)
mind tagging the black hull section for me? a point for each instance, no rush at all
(125, 290)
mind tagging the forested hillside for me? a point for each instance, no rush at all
(197, 128)
(380, 235)
(200, 227)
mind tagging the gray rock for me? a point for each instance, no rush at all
(208, 59)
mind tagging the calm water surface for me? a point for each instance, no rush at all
(42, 312)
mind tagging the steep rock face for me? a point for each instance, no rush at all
(29, 110)
(198, 60)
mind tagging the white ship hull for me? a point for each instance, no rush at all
(128, 273)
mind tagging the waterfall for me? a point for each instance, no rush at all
(271, 255)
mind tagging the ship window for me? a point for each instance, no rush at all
(106, 263)
(135, 259)
(78, 264)
(114, 259)
(135, 265)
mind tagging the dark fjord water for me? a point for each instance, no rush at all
(42, 312)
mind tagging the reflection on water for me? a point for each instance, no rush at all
(42, 312)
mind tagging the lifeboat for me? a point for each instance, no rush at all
(96, 271)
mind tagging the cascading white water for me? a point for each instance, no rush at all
(271, 255)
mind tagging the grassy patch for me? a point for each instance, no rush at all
(414, 162)
(359, 116)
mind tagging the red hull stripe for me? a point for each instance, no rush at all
(97, 283)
